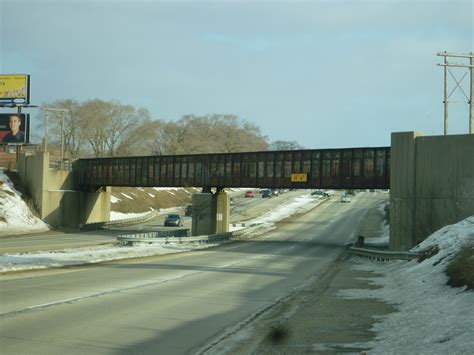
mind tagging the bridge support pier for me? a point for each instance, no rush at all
(223, 212)
(211, 213)
(204, 214)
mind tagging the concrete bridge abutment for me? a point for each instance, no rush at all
(431, 185)
(55, 197)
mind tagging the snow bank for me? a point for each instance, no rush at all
(88, 255)
(300, 204)
(432, 318)
(15, 216)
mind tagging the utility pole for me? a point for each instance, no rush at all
(445, 96)
(62, 113)
(469, 99)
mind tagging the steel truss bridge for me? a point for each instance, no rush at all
(349, 168)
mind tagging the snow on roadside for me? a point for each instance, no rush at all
(88, 255)
(432, 317)
(15, 216)
(300, 204)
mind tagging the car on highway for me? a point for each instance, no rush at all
(249, 194)
(317, 193)
(188, 210)
(346, 198)
(173, 220)
(321, 193)
(266, 193)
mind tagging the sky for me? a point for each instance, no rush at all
(436, 318)
(327, 74)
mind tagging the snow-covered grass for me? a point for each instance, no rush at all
(432, 317)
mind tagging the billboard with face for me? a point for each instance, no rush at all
(14, 128)
(14, 89)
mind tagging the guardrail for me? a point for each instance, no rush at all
(382, 255)
(165, 237)
(118, 223)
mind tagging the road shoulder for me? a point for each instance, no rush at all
(314, 319)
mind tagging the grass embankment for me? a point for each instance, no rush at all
(136, 200)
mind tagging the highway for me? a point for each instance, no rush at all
(172, 304)
(242, 209)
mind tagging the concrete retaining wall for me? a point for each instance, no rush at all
(431, 185)
(54, 195)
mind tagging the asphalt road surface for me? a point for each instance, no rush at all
(243, 208)
(172, 304)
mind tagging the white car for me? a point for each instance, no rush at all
(345, 198)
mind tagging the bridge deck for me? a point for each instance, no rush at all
(350, 168)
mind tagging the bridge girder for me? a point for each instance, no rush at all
(348, 168)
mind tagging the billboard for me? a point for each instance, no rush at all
(14, 128)
(14, 89)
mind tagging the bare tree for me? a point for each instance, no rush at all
(108, 123)
(285, 145)
(73, 132)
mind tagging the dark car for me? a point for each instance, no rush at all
(320, 193)
(173, 220)
(188, 210)
(266, 194)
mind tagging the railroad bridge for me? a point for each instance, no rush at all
(431, 181)
(350, 168)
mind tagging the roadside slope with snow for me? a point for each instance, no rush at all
(432, 317)
(15, 216)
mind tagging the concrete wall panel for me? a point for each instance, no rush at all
(432, 185)
(53, 192)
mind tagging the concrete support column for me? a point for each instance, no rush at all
(204, 214)
(223, 212)
(94, 206)
(402, 190)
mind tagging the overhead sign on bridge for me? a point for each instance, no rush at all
(299, 177)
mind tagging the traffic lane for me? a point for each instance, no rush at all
(56, 241)
(199, 293)
(59, 241)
